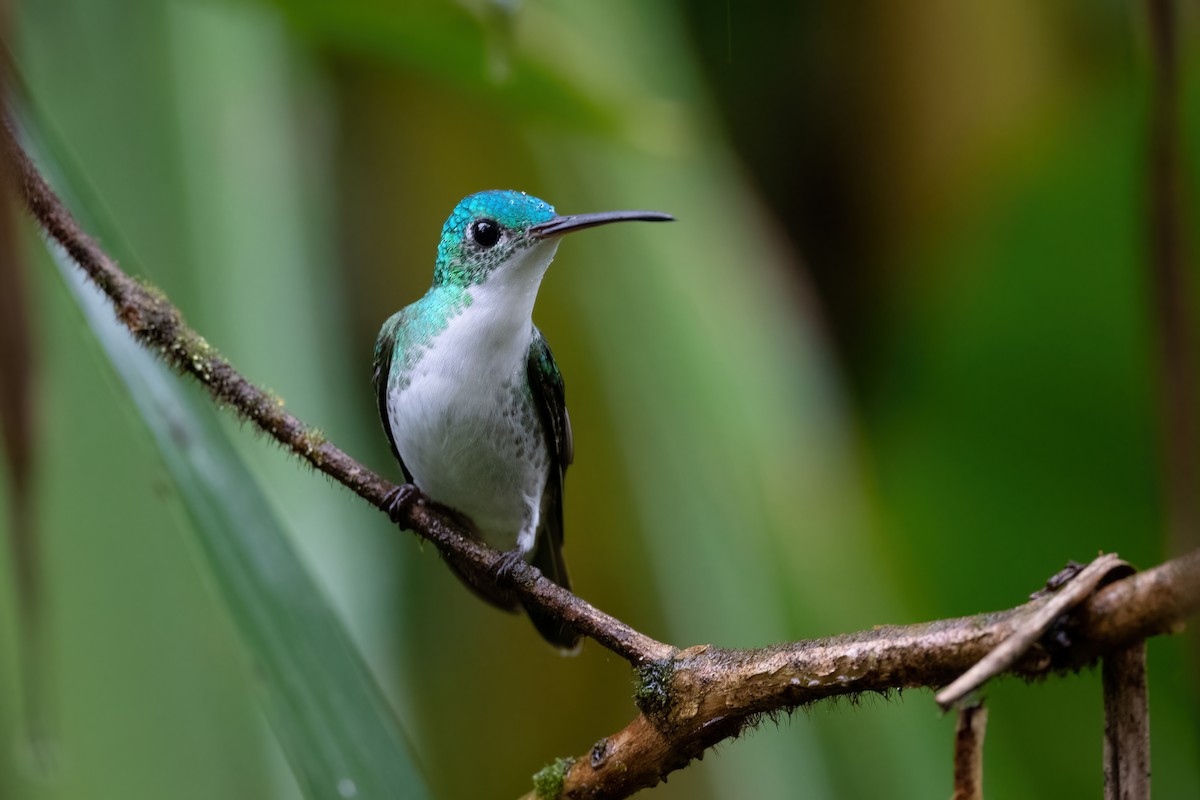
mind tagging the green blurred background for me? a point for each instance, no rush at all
(895, 361)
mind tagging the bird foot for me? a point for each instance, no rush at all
(399, 500)
(503, 567)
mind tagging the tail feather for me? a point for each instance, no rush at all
(548, 558)
(488, 591)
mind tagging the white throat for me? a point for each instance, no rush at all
(490, 338)
(498, 323)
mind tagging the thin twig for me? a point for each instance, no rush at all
(1030, 630)
(968, 752)
(1170, 283)
(1126, 725)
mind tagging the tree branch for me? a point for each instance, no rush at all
(160, 327)
(689, 699)
(1082, 584)
(706, 694)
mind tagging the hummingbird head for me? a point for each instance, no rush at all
(507, 230)
(485, 231)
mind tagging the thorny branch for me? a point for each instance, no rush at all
(689, 699)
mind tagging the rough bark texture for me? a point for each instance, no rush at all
(1126, 725)
(968, 752)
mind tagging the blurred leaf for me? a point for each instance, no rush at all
(333, 722)
(18, 400)
(463, 49)
(324, 705)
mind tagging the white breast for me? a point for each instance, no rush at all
(466, 428)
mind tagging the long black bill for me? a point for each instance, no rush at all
(577, 222)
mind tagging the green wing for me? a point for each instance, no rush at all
(385, 347)
(546, 385)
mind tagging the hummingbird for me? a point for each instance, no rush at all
(470, 396)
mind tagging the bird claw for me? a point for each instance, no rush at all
(397, 501)
(503, 568)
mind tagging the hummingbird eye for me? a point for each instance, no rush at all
(485, 232)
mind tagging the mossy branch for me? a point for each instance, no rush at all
(703, 695)
(689, 699)
(160, 327)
